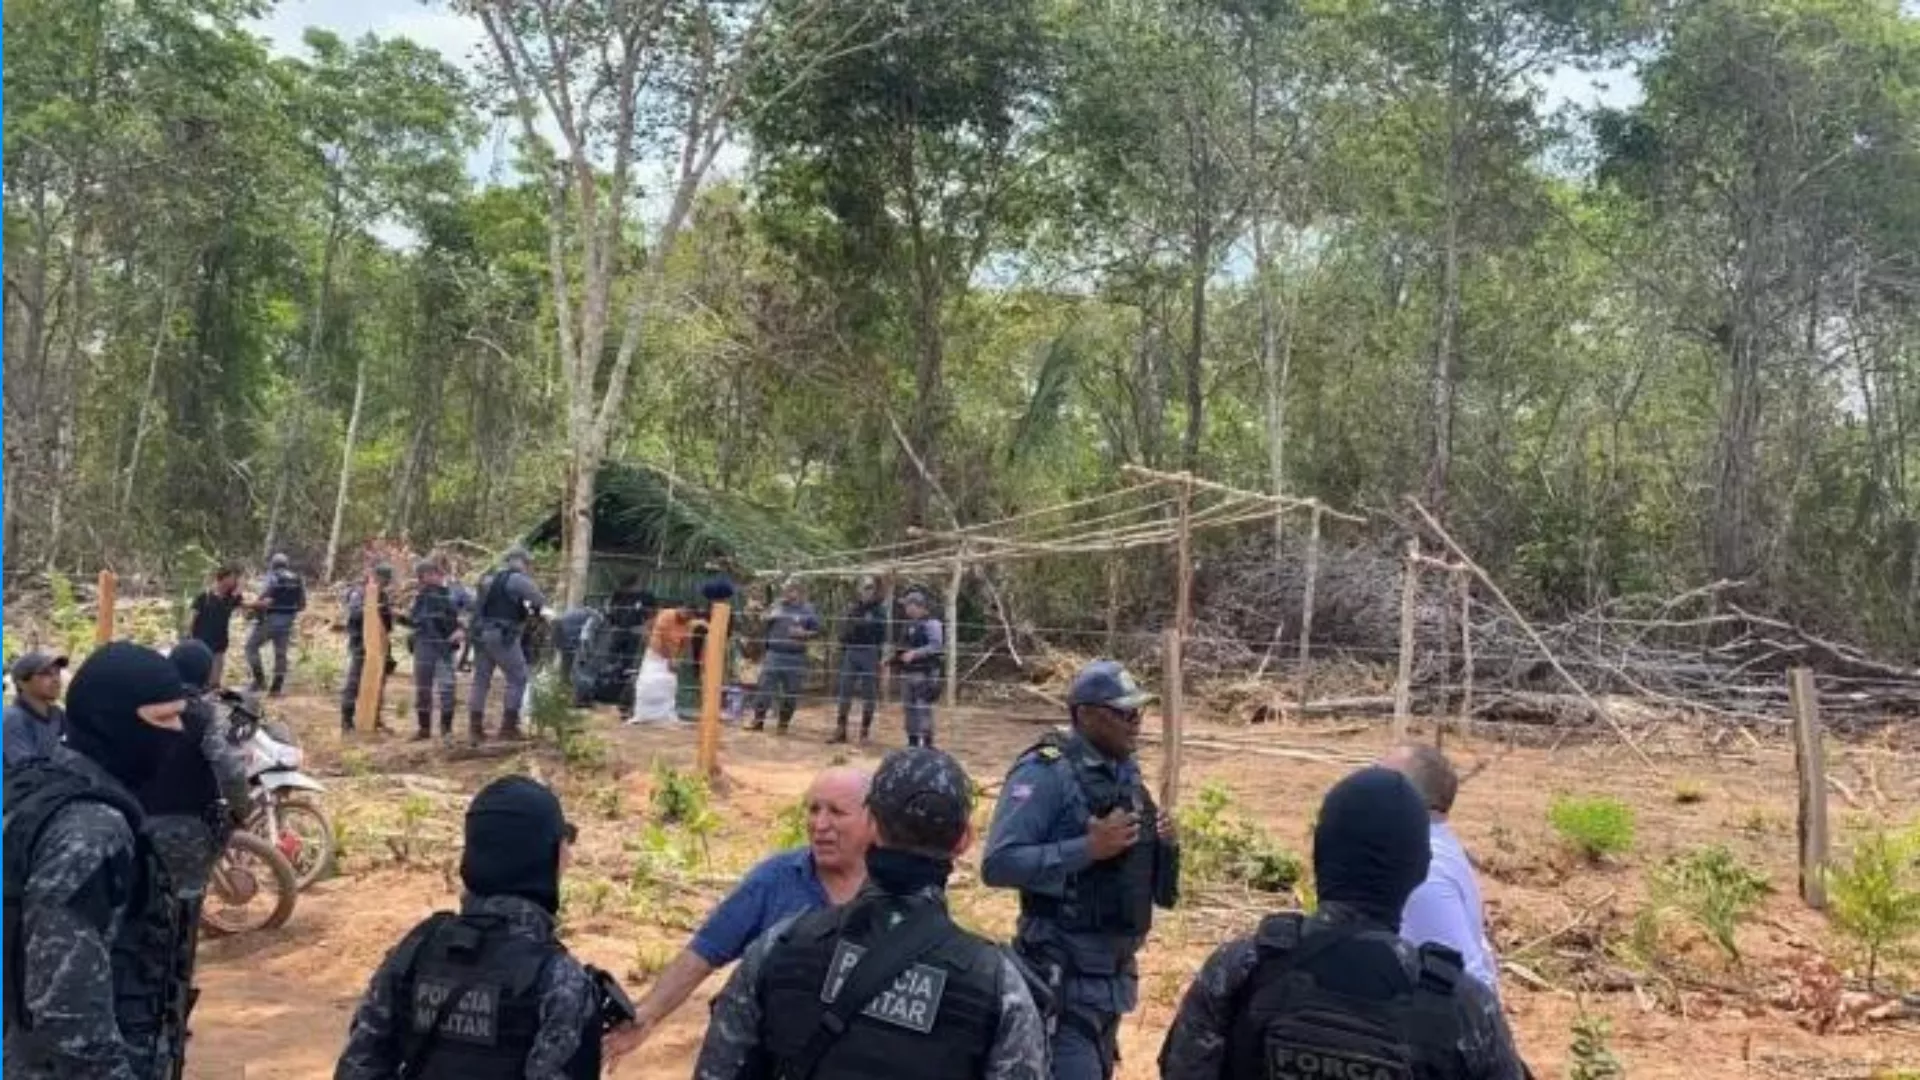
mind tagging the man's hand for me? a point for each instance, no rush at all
(1169, 828)
(1111, 835)
(622, 1041)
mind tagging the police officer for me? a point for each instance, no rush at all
(919, 660)
(201, 790)
(786, 628)
(489, 993)
(282, 597)
(508, 597)
(437, 635)
(1077, 833)
(571, 635)
(1339, 993)
(886, 986)
(357, 646)
(862, 631)
(94, 939)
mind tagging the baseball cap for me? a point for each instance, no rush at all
(383, 571)
(35, 661)
(922, 788)
(1106, 682)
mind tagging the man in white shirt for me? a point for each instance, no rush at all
(1446, 908)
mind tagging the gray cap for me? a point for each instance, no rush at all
(383, 571)
(35, 661)
(917, 595)
(518, 554)
(423, 567)
(921, 790)
(278, 562)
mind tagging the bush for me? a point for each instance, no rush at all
(1595, 827)
(1714, 889)
(1875, 895)
(1222, 846)
(681, 799)
(790, 826)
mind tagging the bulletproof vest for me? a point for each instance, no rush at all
(1340, 1005)
(1114, 896)
(434, 616)
(148, 959)
(468, 995)
(286, 594)
(865, 625)
(357, 613)
(497, 602)
(919, 638)
(937, 1022)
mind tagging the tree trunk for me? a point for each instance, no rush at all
(322, 292)
(1276, 362)
(578, 546)
(1197, 344)
(1447, 341)
(346, 468)
(147, 400)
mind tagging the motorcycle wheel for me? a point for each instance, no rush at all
(251, 888)
(306, 838)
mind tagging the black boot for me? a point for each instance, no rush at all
(423, 724)
(446, 724)
(279, 684)
(346, 719)
(866, 725)
(510, 726)
(839, 730)
(476, 729)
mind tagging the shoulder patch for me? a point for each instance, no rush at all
(912, 1002)
(1048, 753)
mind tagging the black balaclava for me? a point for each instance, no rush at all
(194, 661)
(1371, 848)
(514, 831)
(103, 702)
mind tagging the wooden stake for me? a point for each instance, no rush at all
(1809, 759)
(886, 645)
(1466, 653)
(1171, 726)
(1306, 602)
(103, 617)
(713, 676)
(373, 670)
(1183, 554)
(951, 695)
(1403, 685)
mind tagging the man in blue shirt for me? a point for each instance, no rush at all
(1077, 833)
(34, 722)
(827, 872)
(1446, 908)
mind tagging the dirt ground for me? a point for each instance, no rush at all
(277, 1004)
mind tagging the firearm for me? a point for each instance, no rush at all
(616, 1008)
(185, 994)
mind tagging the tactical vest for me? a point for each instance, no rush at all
(357, 613)
(936, 1023)
(468, 994)
(497, 602)
(1114, 896)
(286, 593)
(147, 956)
(918, 638)
(434, 616)
(1340, 1005)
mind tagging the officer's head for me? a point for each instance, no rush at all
(1370, 846)
(1104, 703)
(869, 588)
(194, 661)
(1430, 773)
(839, 830)
(383, 573)
(123, 710)
(922, 802)
(518, 558)
(792, 590)
(429, 572)
(916, 604)
(278, 562)
(517, 842)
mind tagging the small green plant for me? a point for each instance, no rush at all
(609, 801)
(1595, 827)
(677, 797)
(1875, 895)
(587, 896)
(650, 958)
(356, 762)
(1689, 792)
(1714, 889)
(1590, 1057)
(790, 826)
(414, 812)
(1220, 845)
(552, 714)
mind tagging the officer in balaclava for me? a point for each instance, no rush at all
(282, 597)
(94, 982)
(357, 646)
(1340, 993)
(496, 968)
(200, 791)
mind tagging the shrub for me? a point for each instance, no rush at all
(1595, 827)
(1875, 895)
(790, 826)
(1714, 889)
(1591, 1059)
(1220, 845)
(681, 799)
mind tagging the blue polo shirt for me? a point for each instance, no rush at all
(782, 885)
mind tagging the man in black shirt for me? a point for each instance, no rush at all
(213, 615)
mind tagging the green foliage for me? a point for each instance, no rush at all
(73, 623)
(683, 802)
(1595, 827)
(790, 826)
(415, 811)
(553, 715)
(1590, 1057)
(1219, 845)
(1714, 889)
(1874, 895)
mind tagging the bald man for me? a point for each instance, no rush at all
(825, 873)
(1446, 908)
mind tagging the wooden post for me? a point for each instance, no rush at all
(1171, 725)
(951, 696)
(886, 643)
(1465, 585)
(1403, 686)
(1183, 553)
(373, 671)
(1306, 603)
(1809, 758)
(103, 617)
(713, 676)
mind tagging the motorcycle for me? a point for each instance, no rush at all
(249, 869)
(286, 812)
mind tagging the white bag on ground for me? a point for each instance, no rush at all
(654, 690)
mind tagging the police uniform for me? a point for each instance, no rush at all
(357, 647)
(508, 597)
(286, 597)
(435, 619)
(920, 676)
(862, 632)
(945, 1005)
(784, 669)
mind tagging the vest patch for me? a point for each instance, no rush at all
(913, 1002)
(474, 1019)
(1291, 1061)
